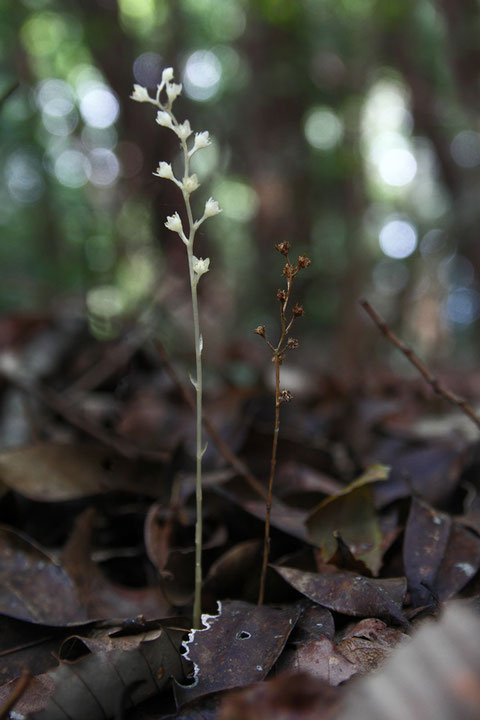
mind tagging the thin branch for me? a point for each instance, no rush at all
(19, 689)
(435, 384)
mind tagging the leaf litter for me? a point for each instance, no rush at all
(97, 512)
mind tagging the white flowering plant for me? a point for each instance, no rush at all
(163, 100)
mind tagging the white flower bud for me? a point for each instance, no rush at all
(184, 130)
(200, 266)
(174, 223)
(140, 94)
(173, 91)
(167, 75)
(211, 208)
(202, 140)
(164, 170)
(164, 119)
(190, 183)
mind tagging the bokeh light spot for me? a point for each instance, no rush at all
(462, 306)
(323, 128)
(397, 167)
(99, 107)
(24, 178)
(104, 167)
(72, 168)
(202, 75)
(238, 200)
(465, 149)
(398, 239)
(147, 69)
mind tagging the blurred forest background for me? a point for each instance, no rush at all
(348, 127)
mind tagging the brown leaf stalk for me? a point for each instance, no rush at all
(278, 356)
(435, 384)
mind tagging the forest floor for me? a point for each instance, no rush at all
(376, 529)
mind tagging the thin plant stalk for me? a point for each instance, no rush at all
(196, 268)
(278, 356)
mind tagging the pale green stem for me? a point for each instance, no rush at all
(197, 603)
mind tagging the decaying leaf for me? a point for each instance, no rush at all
(369, 643)
(440, 556)
(53, 472)
(91, 686)
(237, 647)
(286, 697)
(33, 585)
(350, 594)
(320, 658)
(435, 675)
(350, 513)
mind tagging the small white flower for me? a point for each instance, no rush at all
(200, 266)
(167, 75)
(164, 119)
(173, 91)
(202, 140)
(190, 183)
(174, 223)
(140, 94)
(164, 170)
(211, 208)
(184, 130)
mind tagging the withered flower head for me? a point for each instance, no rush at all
(304, 261)
(260, 330)
(285, 396)
(283, 248)
(292, 343)
(298, 310)
(281, 295)
(288, 270)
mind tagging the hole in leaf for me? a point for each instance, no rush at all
(243, 635)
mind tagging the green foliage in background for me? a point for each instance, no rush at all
(348, 127)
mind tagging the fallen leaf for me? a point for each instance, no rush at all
(320, 658)
(236, 647)
(51, 472)
(369, 643)
(350, 513)
(33, 585)
(435, 675)
(460, 562)
(100, 597)
(286, 697)
(350, 594)
(91, 686)
(425, 541)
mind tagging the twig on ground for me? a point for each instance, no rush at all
(22, 684)
(435, 384)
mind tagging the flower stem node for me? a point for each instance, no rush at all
(200, 266)
(140, 94)
(260, 330)
(284, 396)
(184, 130)
(190, 184)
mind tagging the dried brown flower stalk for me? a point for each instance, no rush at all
(285, 343)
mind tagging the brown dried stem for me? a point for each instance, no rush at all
(278, 355)
(19, 689)
(435, 384)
